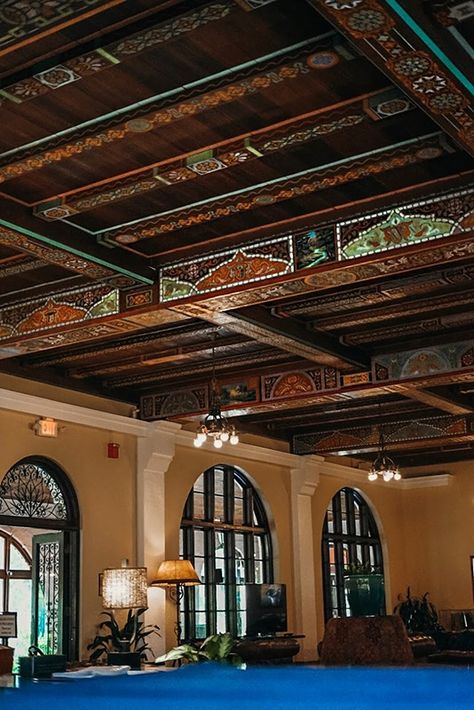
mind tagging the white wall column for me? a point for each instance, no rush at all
(304, 481)
(155, 452)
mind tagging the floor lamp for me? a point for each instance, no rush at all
(176, 575)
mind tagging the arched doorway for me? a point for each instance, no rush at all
(39, 514)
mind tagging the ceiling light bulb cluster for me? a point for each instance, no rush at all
(383, 467)
(216, 427)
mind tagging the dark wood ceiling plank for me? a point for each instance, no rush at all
(452, 404)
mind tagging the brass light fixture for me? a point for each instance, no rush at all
(383, 467)
(215, 425)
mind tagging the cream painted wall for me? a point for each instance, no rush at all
(439, 539)
(105, 489)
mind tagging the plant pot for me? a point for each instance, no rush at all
(365, 594)
(6, 660)
(124, 658)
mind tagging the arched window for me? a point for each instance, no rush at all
(350, 538)
(224, 532)
(39, 504)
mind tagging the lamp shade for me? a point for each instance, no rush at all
(124, 588)
(172, 572)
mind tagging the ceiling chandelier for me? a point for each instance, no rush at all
(383, 467)
(215, 425)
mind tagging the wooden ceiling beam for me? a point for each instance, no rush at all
(452, 403)
(289, 335)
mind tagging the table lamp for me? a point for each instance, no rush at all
(176, 575)
(125, 588)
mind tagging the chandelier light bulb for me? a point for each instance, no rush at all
(397, 476)
(225, 436)
(201, 436)
(387, 475)
(218, 443)
(372, 476)
(234, 439)
(197, 442)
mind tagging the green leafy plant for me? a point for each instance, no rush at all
(217, 648)
(132, 636)
(418, 614)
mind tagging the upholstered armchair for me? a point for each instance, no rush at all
(366, 641)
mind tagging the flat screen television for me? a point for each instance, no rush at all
(266, 609)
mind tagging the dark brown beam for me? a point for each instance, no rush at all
(287, 334)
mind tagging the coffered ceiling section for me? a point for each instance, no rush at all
(293, 177)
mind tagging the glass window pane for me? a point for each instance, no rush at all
(199, 485)
(220, 596)
(219, 509)
(241, 623)
(2, 552)
(181, 533)
(258, 547)
(198, 506)
(238, 511)
(219, 482)
(221, 622)
(201, 626)
(238, 490)
(241, 597)
(199, 543)
(1, 595)
(200, 597)
(258, 573)
(200, 567)
(219, 543)
(20, 601)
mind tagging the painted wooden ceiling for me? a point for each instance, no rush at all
(289, 178)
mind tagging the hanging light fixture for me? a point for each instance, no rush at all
(215, 425)
(383, 467)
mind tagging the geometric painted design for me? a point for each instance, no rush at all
(294, 383)
(366, 438)
(58, 310)
(233, 267)
(139, 298)
(373, 27)
(421, 221)
(20, 18)
(16, 240)
(231, 153)
(283, 189)
(178, 402)
(157, 118)
(421, 362)
(57, 76)
(387, 103)
(105, 57)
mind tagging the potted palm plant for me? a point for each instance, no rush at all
(364, 588)
(115, 639)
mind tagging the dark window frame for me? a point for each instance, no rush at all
(349, 546)
(255, 524)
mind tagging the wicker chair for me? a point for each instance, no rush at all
(366, 641)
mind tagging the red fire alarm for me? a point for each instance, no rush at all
(113, 450)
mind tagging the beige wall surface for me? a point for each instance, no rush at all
(105, 490)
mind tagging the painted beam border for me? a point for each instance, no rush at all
(422, 70)
(288, 187)
(95, 61)
(367, 234)
(69, 257)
